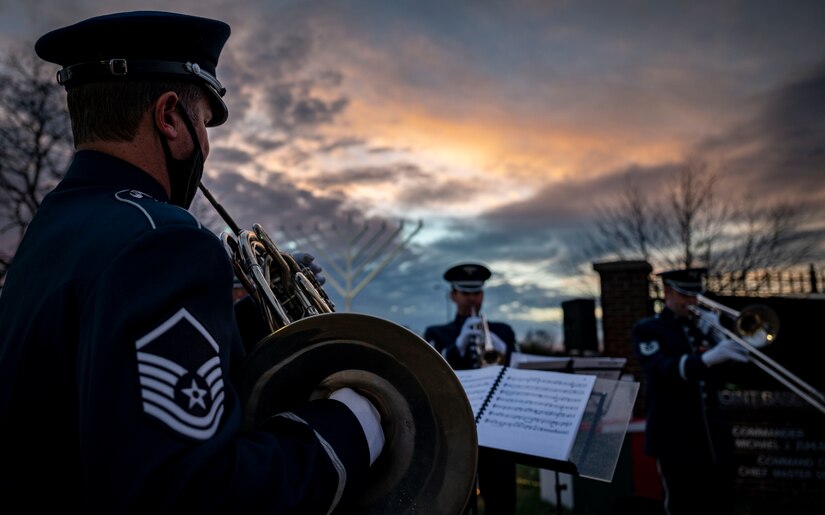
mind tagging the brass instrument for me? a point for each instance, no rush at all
(483, 349)
(489, 356)
(757, 327)
(429, 458)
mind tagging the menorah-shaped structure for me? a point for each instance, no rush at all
(355, 254)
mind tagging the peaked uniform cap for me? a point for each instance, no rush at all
(140, 45)
(688, 281)
(467, 277)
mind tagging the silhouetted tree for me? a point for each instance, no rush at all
(539, 341)
(692, 225)
(35, 144)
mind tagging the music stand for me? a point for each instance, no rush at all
(608, 368)
(601, 432)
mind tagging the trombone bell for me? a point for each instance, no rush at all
(758, 324)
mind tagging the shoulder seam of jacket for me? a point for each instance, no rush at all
(133, 203)
(145, 212)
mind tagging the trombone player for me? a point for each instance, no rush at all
(470, 341)
(686, 431)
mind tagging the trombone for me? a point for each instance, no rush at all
(756, 327)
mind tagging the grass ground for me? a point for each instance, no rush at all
(528, 493)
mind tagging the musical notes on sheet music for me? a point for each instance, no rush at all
(535, 412)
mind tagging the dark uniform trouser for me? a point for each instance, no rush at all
(497, 483)
(698, 489)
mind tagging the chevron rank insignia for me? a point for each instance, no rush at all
(648, 348)
(181, 385)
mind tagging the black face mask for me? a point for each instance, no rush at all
(184, 174)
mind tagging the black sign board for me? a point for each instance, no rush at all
(780, 438)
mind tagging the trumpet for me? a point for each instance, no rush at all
(484, 351)
(756, 327)
(426, 416)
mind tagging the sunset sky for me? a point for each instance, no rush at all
(499, 125)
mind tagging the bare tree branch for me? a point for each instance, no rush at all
(627, 225)
(766, 237)
(35, 144)
(693, 225)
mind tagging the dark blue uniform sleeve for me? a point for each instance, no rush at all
(443, 337)
(683, 422)
(160, 419)
(661, 358)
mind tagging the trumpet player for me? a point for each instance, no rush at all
(474, 335)
(470, 341)
(686, 430)
(118, 340)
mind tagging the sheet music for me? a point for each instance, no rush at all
(534, 412)
(477, 384)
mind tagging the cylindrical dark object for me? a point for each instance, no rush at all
(580, 326)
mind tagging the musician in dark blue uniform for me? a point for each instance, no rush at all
(462, 343)
(118, 339)
(683, 366)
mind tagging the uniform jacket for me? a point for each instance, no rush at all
(118, 343)
(443, 337)
(684, 422)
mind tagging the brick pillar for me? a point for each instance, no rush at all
(625, 300)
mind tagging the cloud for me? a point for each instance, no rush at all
(229, 155)
(275, 203)
(793, 126)
(375, 175)
(271, 71)
(341, 144)
(786, 137)
(543, 109)
(569, 203)
(429, 190)
(294, 106)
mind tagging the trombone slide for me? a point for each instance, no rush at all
(760, 359)
(780, 373)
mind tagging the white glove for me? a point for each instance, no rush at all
(470, 332)
(308, 260)
(367, 416)
(725, 350)
(707, 322)
(498, 344)
(758, 339)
